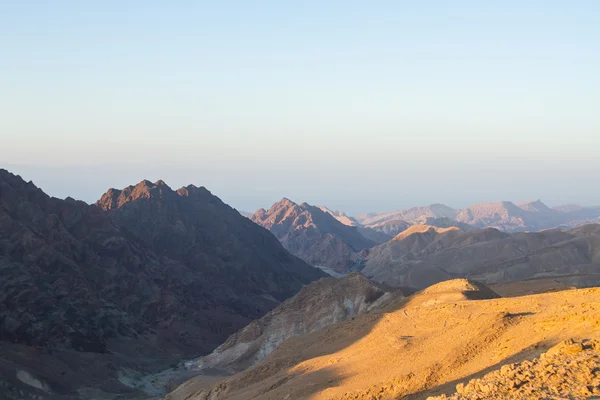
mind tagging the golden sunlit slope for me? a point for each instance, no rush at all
(418, 347)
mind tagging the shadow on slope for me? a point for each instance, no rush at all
(297, 364)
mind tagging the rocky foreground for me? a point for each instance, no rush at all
(569, 370)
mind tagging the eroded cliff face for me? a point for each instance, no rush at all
(316, 306)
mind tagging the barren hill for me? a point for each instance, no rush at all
(415, 348)
(314, 235)
(571, 369)
(424, 255)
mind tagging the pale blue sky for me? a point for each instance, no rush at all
(358, 105)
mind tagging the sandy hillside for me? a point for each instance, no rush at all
(423, 346)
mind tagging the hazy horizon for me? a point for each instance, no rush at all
(96, 177)
(356, 106)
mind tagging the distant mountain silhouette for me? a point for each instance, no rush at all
(410, 214)
(503, 215)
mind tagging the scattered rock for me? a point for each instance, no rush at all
(570, 369)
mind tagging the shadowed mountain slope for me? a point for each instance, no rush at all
(162, 274)
(194, 227)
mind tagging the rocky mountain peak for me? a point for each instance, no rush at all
(535, 206)
(313, 234)
(115, 198)
(192, 190)
(284, 202)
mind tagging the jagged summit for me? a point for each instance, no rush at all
(284, 202)
(115, 198)
(313, 235)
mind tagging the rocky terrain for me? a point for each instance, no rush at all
(426, 345)
(239, 264)
(321, 242)
(314, 235)
(569, 369)
(424, 255)
(318, 305)
(146, 277)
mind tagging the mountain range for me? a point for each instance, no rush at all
(150, 286)
(503, 215)
(336, 242)
(147, 273)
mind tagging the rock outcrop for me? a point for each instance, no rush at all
(318, 305)
(569, 370)
(240, 268)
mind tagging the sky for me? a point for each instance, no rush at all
(356, 105)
